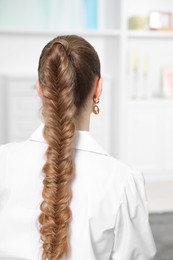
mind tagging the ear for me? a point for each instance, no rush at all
(38, 88)
(98, 89)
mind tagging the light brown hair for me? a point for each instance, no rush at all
(68, 67)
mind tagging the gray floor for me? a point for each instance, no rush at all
(162, 228)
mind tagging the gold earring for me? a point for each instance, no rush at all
(96, 109)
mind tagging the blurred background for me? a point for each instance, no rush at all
(134, 39)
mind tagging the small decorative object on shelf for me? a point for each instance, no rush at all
(160, 21)
(145, 90)
(138, 72)
(167, 82)
(138, 23)
(135, 71)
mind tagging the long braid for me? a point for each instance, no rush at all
(68, 68)
(58, 112)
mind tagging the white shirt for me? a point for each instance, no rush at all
(109, 206)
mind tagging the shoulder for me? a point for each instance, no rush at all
(128, 185)
(116, 183)
(121, 170)
(17, 157)
(130, 173)
(126, 188)
(115, 175)
(124, 179)
(127, 171)
(102, 165)
(12, 151)
(23, 147)
(5, 149)
(102, 160)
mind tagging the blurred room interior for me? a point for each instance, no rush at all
(134, 39)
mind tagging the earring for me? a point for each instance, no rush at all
(96, 109)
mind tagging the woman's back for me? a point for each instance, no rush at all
(109, 208)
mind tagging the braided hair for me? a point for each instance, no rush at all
(68, 66)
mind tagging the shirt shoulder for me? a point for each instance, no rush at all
(4, 152)
(8, 149)
(125, 176)
(121, 170)
(125, 180)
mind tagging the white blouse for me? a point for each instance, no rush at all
(109, 206)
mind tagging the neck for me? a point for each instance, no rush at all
(82, 122)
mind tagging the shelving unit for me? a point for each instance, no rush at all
(146, 124)
(124, 125)
(149, 34)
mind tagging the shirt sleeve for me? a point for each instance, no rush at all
(133, 239)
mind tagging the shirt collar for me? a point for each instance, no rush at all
(83, 140)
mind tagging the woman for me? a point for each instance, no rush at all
(61, 195)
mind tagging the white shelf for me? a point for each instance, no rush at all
(92, 33)
(149, 34)
(149, 102)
